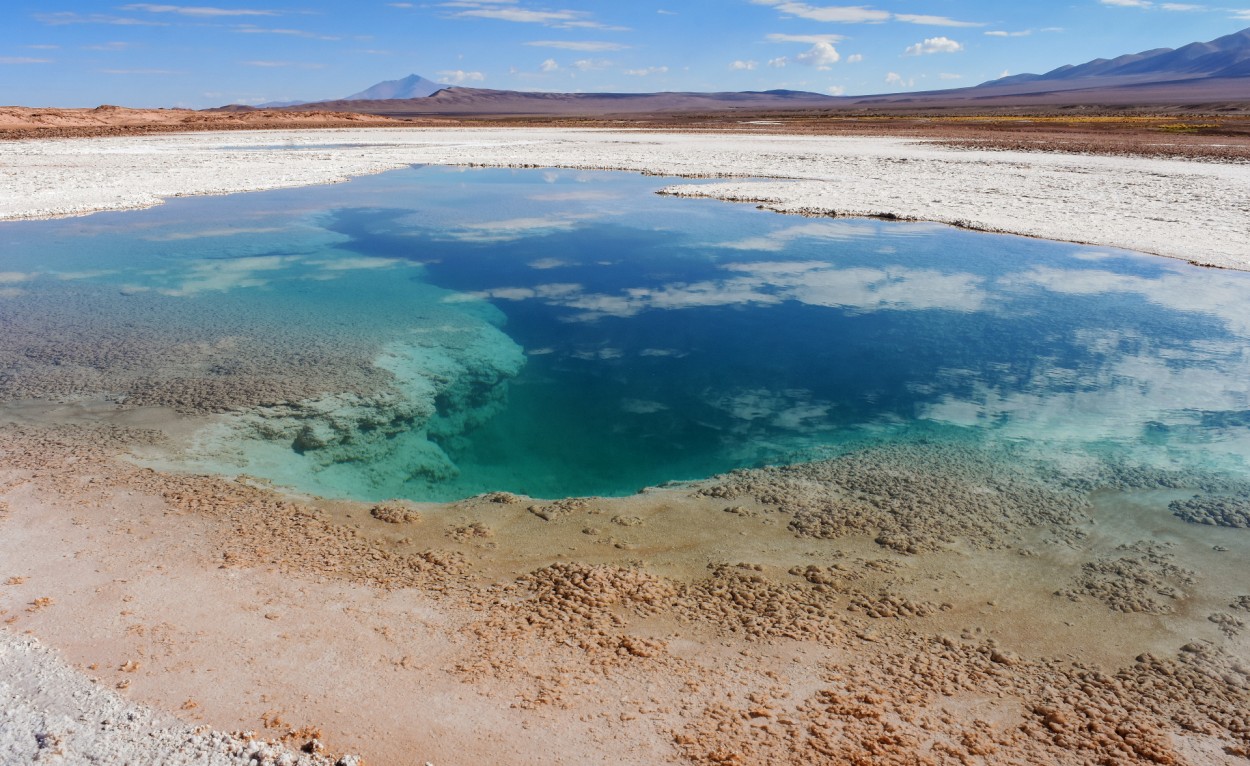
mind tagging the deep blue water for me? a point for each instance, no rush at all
(669, 339)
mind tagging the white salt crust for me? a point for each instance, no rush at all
(1195, 211)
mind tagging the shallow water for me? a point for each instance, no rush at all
(436, 333)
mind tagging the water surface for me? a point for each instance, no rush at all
(436, 333)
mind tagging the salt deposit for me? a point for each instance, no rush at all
(1181, 209)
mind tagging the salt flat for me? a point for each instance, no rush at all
(1195, 211)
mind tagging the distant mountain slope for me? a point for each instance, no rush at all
(1228, 56)
(412, 86)
(481, 101)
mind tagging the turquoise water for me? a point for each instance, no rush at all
(436, 333)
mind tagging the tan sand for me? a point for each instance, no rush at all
(724, 622)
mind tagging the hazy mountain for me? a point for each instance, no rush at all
(1228, 56)
(1214, 74)
(412, 86)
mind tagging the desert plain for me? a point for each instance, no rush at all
(903, 603)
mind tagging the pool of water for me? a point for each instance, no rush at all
(435, 333)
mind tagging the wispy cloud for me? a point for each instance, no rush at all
(859, 14)
(23, 60)
(777, 37)
(934, 45)
(194, 10)
(647, 71)
(739, 66)
(280, 64)
(587, 46)
(1004, 33)
(248, 29)
(141, 71)
(934, 21)
(510, 10)
(521, 15)
(512, 229)
(844, 14)
(61, 18)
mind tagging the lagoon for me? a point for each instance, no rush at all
(438, 333)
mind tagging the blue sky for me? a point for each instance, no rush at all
(85, 53)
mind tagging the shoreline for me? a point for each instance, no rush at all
(1182, 209)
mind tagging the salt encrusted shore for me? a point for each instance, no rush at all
(54, 714)
(1195, 211)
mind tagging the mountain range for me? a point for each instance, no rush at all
(1204, 73)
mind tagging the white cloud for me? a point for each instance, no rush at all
(854, 58)
(190, 10)
(827, 231)
(855, 14)
(520, 15)
(587, 65)
(1128, 3)
(457, 76)
(897, 80)
(23, 60)
(934, 45)
(646, 72)
(512, 229)
(587, 46)
(821, 55)
(778, 62)
(777, 37)
(508, 10)
(859, 14)
(744, 65)
(140, 71)
(1002, 33)
(836, 90)
(934, 21)
(248, 29)
(61, 18)
(549, 65)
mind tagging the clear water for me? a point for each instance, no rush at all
(562, 333)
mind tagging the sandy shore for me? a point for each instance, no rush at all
(906, 603)
(1195, 211)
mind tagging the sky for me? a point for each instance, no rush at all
(81, 53)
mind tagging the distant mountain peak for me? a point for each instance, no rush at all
(1227, 56)
(412, 86)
